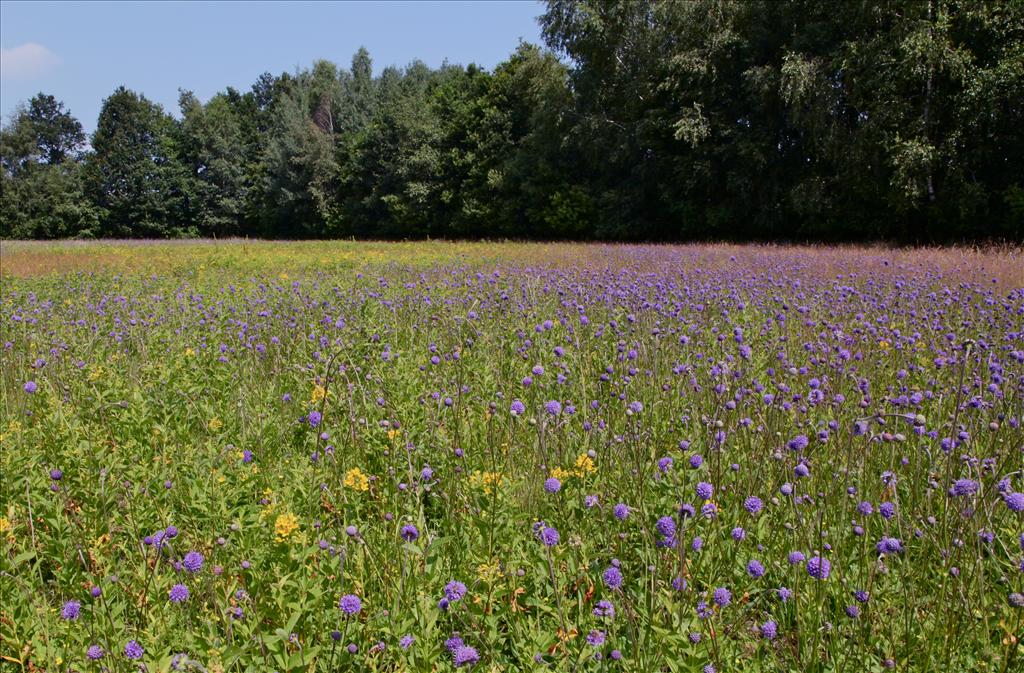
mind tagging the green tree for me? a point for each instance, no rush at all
(134, 174)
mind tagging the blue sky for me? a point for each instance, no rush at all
(81, 52)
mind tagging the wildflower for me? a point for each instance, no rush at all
(595, 638)
(30, 387)
(753, 504)
(584, 465)
(1014, 501)
(465, 656)
(549, 536)
(71, 610)
(605, 608)
(819, 568)
(94, 652)
(405, 642)
(454, 591)
(705, 490)
(620, 511)
(769, 630)
(193, 561)
(755, 569)
(356, 480)
(133, 650)
(552, 485)
(285, 525)
(721, 597)
(178, 593)
(962, 487)
(612, 577)
(350, 604)
(410, 533)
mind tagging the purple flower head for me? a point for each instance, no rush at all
(410, 533)
(30, 387)
(705, 490)
(71, 610)
(94, 653)
(406, 641)
(666, 526)
(755, 569)
(314, 418)
(454, 591)
(1014, 501)
(178, 593)
(553, 407)
(517, 408)
(350, 604)
(612, 577)
(595, 638)
(887, 510)
(193, 561)
(465, 656)
(769, 630)
(819, 568)
(696, 460)
(721, 597)
(56, 475)
(889, 545)
(552, 485)
(133, 650)
(549, 536)
(798, 443)
(963, 487)
(753, 504)
(604, 609)
(621, 511)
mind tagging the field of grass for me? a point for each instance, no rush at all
(413, 457)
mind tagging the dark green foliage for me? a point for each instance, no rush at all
(735, 119)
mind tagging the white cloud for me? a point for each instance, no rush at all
(26, 61)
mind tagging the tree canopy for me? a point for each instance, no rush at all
(638, 119)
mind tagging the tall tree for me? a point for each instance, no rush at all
(134, 174)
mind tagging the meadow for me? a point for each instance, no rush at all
(413, 457)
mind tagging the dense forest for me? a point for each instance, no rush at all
(637, 120)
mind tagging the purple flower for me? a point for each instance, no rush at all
(962, 487)
(1014, 501)
(887, 510)
(664, 464)
(193, 561)
(621, 511)
(405, 642)
(94, 652)
(465, 656)
(612, 577)
(819, 568)
(696, 460)
(721, 597)
(133, 650)
(549, 536)
(605, 608)
(705, 490)
(56, 475)
(350, 604)
(795, 557)
(517, 408)
(178, 593)
(554, 407)
(314, 418)
(30, 387)
(769, 630)
(798, 443)
(753, 504)
(595, 638)
(410, 533)
(889, 545)
(755, 569)
(552, 485)
(71, 610)
(666, 526)
(454, 591)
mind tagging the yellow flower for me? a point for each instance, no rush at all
(215, 424)
(5, 524)
(189, 352)
(488, 572)
(884, 345)
(487, 481)
(393, 433)
(285, 525)
(319, 393)
(560, 474)
(355, 479)
(584, 465)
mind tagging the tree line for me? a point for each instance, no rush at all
(637, 120)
